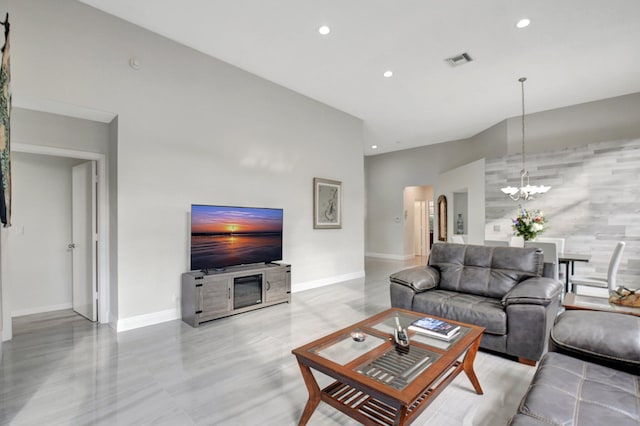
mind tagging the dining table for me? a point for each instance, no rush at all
(569, 260)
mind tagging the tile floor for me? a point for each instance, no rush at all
(63, 370)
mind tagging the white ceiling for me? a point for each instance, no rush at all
(574, 51)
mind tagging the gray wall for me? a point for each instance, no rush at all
(578, 125)
(469, 177)
(58, 131)
(192, 129)
(386, 177)
(605, 120)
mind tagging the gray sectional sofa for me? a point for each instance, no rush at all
(499, 288)
(590, 376)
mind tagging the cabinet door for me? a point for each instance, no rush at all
(214, 296)
(277, 284)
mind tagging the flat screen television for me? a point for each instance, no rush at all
(223, 236)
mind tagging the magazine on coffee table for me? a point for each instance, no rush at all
(435, 328)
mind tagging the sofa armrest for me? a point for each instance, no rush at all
(420, 278)
(533, 291)
(607, 338)
(532, 305)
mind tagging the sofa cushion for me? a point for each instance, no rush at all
(482, 270)
(469, 308)
(420, 278)
(608, 338)
(569, 391)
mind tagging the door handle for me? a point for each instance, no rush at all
(71, 246)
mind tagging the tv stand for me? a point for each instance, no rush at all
(209, 295)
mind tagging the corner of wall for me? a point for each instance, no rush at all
(492, 142)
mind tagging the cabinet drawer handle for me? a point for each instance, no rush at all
(268, 285)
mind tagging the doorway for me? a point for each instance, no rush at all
(418, 214)
(99, 257)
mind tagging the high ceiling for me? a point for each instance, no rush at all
(574, 51)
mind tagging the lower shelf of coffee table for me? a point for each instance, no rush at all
(363, 407)
(367, 409)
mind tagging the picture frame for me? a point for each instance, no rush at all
(327, 204)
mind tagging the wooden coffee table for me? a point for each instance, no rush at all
(379, 383)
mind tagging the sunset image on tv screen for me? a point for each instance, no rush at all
(223, 236)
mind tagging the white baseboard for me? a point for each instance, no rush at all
(326, 281)
(40, 309)
(390, 256)
(138, 321)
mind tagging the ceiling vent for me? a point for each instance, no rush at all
(460, 59)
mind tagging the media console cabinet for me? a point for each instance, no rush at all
(238, 289)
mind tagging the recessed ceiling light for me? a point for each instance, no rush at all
(324, 30)
(388, 73)
(523, 23)
(374, 146)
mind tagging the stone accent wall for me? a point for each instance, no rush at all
(594, 201)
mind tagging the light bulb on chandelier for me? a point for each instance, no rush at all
(526, 190)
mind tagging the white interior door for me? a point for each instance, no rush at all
(420, 228)
(83, 239)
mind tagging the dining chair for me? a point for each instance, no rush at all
(608, 282)
(496, 243)
(550, 256)
(558, 241)
(458, 239)
(516, 241)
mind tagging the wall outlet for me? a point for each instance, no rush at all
(496, 228)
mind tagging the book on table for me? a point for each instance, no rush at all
(435, 328)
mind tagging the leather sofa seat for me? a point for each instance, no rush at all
(469, 308)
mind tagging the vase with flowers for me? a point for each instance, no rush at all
(528, 224)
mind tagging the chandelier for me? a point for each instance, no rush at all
(526, 190)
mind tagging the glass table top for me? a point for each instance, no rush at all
(345, 349)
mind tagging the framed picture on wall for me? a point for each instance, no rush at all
(327, 204)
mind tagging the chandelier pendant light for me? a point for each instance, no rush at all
(526, 191)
